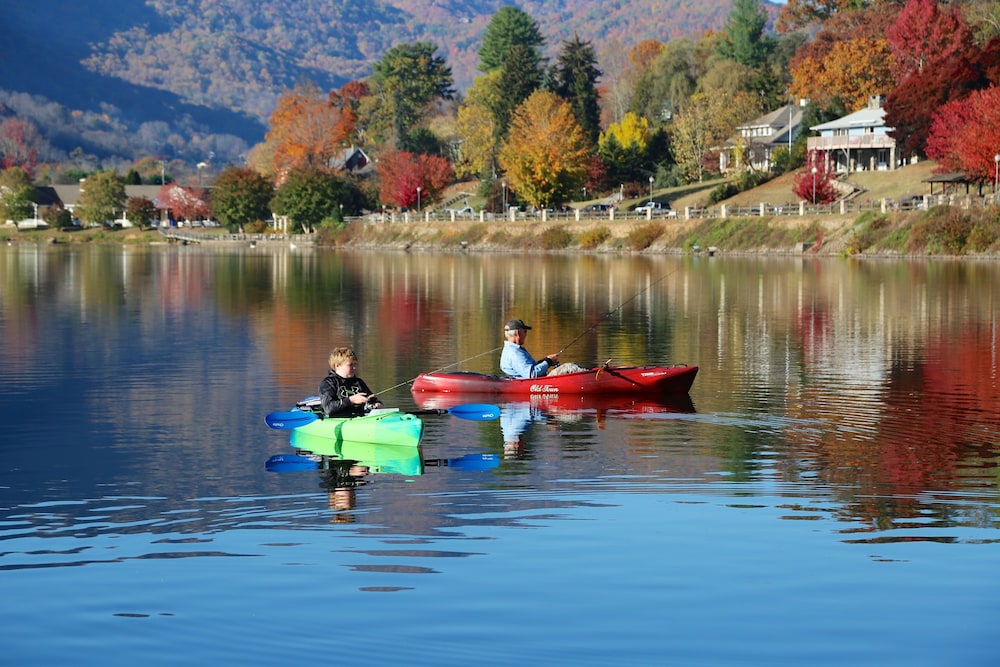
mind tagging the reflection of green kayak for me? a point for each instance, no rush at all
(384, 427)
(395, 459)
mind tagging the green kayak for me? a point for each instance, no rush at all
(381, 427)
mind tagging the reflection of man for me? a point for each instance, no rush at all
(514, 421)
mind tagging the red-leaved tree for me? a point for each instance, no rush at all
(182, 202)
(400, 174)
(926, 32)
(816, 187)
(910, 107)
(965, 135)
(19, 139)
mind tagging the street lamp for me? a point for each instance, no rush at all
(650, 188)
(585, 193)
(621, 193)
(418, 199)
(996, 172)
(503, 185)
(814, 170)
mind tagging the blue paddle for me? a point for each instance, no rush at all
(480, 412)
(299, 462)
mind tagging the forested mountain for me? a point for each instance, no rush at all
(190, 78)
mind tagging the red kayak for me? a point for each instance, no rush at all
(601, 380)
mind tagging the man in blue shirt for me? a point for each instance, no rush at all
(515, 360)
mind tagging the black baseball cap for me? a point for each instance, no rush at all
(514, 325)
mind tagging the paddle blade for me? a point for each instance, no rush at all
(480, 412)
(475, 462)
(289, 420)
(290, 463)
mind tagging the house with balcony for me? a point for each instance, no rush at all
(859, 141)
(753, 145)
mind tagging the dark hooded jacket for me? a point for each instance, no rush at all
(334, 394)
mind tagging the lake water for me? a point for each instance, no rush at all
(826, 495)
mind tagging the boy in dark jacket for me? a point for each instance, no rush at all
(342, 393)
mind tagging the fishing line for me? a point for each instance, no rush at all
(601, 319)
(438, 370)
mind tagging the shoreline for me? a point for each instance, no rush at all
(893, 235)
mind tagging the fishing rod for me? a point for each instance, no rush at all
(601, 319)
(437, 370)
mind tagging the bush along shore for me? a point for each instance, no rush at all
(944, 231)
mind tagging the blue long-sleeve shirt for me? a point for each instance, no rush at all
(515, 361)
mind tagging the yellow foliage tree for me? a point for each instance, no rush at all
(475, 124)
(546, 154)
(633, 130)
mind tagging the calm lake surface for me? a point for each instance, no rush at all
(826, 495)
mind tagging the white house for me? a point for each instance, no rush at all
(754, 144)
(857, 142)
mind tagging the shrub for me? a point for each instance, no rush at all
(866, 232)
(724, 191)
(556, 238)
(944, 230)
(592, 238)
(641, 238)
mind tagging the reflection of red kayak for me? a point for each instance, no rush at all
(602, 380)
(633, 404)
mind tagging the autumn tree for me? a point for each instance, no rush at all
(407, 79)
(666, 83)
(311, 197)
(141, 211)
(797, 14)
(965, 134)
(306, 130)
(814, 182)
(186, 203)
(19, 142)
(546, 156)
(477, 126)
(510, 27)
(240, 196)
(925, 33)
(17, 195)
(849, 61)
(400, 174)
(622, 148)
(910, 106)
(704, 122)
(102, 197)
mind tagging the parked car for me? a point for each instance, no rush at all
(654, 206)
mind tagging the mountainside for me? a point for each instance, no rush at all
(172, 72)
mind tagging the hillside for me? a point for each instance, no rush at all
(123, 77)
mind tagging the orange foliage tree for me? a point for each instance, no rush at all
(547, 155)
(308, 129)
(400, 174)
(849, 60)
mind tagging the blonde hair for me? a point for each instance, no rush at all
(340, 355)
